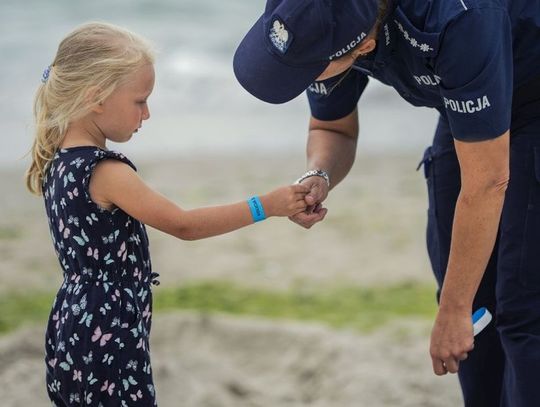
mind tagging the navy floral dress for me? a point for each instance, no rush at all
(97, 349)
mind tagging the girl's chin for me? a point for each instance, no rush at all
(119, 140)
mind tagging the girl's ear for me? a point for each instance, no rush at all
(93, 99)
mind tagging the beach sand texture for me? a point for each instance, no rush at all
(373, 236)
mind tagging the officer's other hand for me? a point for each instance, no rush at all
(451, 340)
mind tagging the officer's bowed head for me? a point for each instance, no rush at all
(293, 42)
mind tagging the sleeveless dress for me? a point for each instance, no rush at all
(97, 348)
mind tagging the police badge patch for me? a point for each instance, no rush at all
(280, 37)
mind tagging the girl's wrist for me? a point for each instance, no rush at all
(266, 202)
(258, 208)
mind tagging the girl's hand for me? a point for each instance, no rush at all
(285, 201)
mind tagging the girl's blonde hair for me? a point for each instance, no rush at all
(93, 59)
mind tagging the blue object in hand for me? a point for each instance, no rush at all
(481, 318)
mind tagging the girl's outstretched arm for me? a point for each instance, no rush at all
(116, 184)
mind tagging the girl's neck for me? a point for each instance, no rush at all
(78, 135)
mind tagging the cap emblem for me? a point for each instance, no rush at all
(280, 36)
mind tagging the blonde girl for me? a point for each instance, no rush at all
(96, 89)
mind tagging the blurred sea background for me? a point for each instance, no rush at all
(197, 104)
(272, 315)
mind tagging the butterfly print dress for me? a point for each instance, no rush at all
(97, 350)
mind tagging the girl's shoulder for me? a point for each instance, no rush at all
(76, 164)
(90, 156)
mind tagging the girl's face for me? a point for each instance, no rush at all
(122, 113)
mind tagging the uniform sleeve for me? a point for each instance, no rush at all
(475, 66)
(330, 102)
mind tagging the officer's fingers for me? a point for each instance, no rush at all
(317, 208)
(315, 217)
(438, 367)
(303, 219)
(300, 189)
(463, 356)
(451, 364)
(294, 219)
(314, 208)
(307, 220)
(321, 212)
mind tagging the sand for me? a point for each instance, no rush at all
(373, 235)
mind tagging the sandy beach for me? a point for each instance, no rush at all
(373, 236)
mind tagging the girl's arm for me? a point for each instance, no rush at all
(484, 177)
(116, 184)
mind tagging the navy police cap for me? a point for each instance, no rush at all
(293, 42)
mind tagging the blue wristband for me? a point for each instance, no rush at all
(256, 208)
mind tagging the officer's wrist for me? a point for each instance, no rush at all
(314, 173)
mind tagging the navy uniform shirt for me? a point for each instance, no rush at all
(465, 58)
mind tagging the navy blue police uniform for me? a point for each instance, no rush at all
(478, 63)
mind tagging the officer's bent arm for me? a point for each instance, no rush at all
(331, 145)
(484, 178)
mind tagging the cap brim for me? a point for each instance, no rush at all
(263, 74)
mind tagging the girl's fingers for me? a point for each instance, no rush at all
(301, 189)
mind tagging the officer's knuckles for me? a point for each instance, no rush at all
(443, 354)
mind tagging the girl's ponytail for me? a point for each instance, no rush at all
(48, 137)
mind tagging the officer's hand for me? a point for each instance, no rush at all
(308, 219)
(318, 191)
(451, 339)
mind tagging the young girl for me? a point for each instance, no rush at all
(97, 350)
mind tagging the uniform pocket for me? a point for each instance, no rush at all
(432, 235)
(530, 256)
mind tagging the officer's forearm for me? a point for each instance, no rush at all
(332, 152)
(332, 146)
(474, 232)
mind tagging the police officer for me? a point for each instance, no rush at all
(478, 63)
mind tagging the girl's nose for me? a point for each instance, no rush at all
(146, 113)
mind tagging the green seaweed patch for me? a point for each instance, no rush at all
(361, 308)
(10, 232)
(24, 308)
